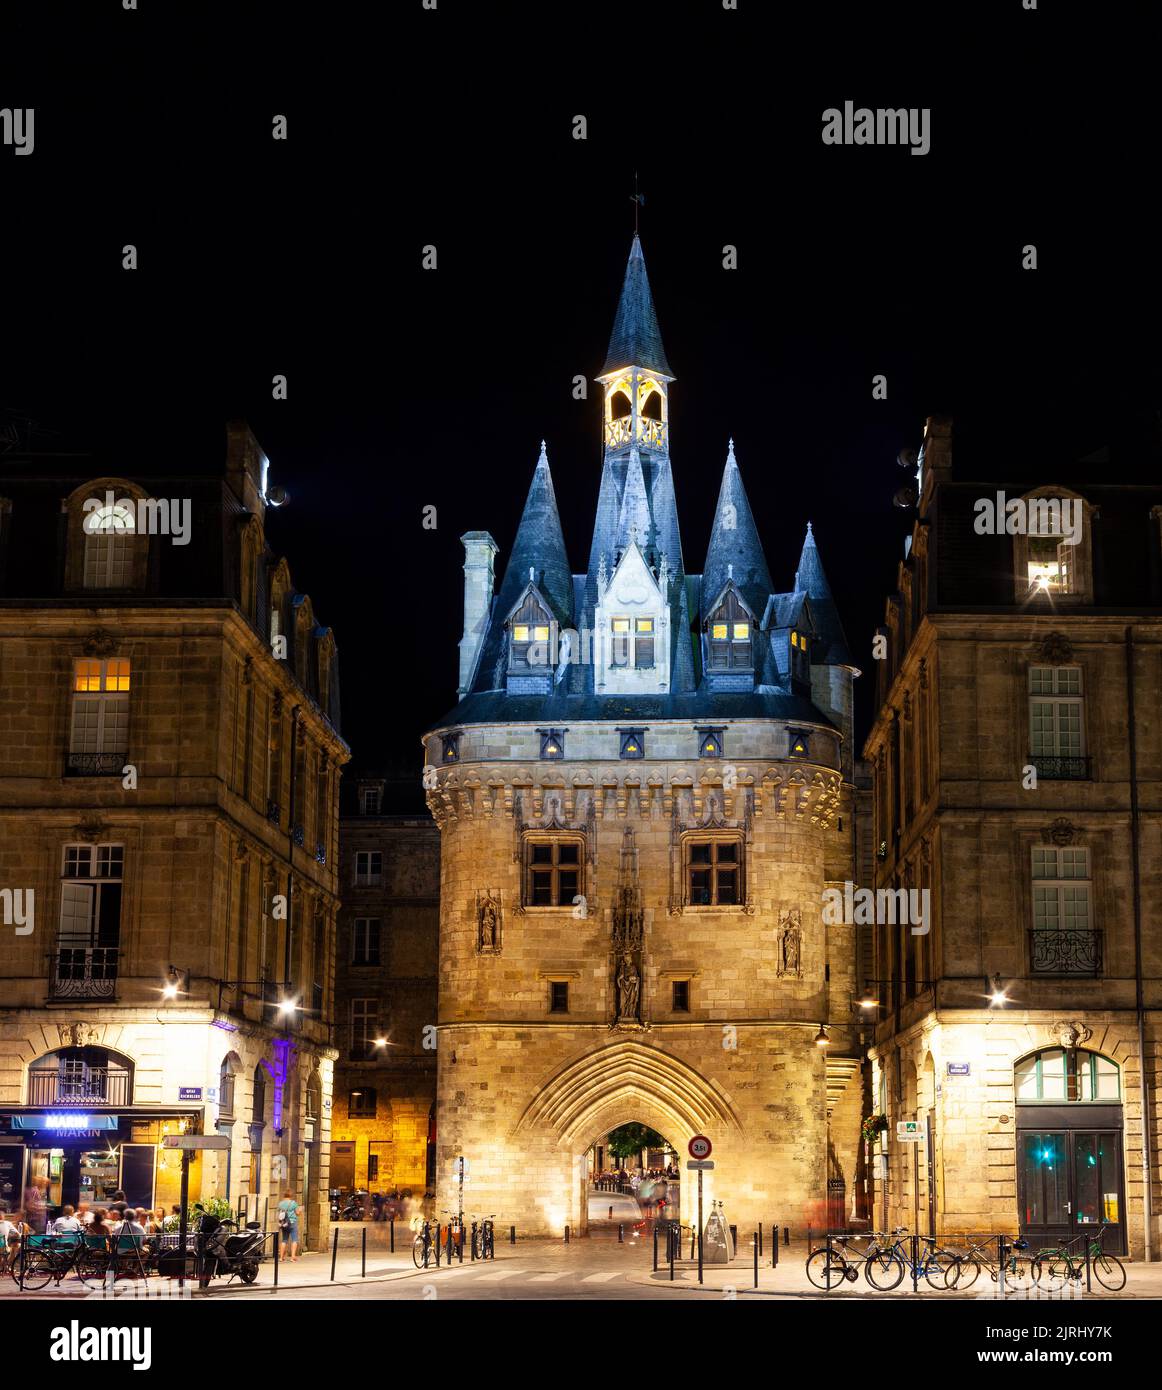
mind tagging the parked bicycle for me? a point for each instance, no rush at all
(838, 1262)
(423, 1245)
(455, 1234)
(984, 1253)
(483, 1244)
(1054, 1268)
(886, 1267)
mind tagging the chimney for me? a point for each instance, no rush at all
(479, 555)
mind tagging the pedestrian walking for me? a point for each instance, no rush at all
(288, 1225)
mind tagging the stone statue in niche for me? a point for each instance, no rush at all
(488, 924)
(628, 990)
(791, 943)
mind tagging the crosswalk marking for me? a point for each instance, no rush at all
(600, 1278)
(546, 1278)
(498, 1275)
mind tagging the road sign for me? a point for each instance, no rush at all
(699, 1165)
(909, 1131)
(959, 1068)
(700, 1147)
(189, 1093)
(195, 1141)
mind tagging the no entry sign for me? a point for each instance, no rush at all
(700, 1147)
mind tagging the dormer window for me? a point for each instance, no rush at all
(800, 656)
(452, 748)
(633, 745)
(643, 647)
(798, 743)
(729, 636)
(531, 634)
(710, 744)
(552, 745)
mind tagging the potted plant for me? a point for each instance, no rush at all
(872, 1126)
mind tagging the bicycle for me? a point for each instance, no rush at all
(885, 1268)
(483, 1245)
(422, 1246)
(1018, 1268)
(834, 1263)
(1053, 1268)
(47, 1259)
(455, 1229)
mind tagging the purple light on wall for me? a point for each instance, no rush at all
(284, 1050)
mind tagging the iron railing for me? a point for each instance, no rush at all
(83, 972)
(95, 764)
(651, 434)
(1053, 768)
(95, 1086)
(1071, 951)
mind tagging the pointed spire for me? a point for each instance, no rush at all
(538, 552)
(636, 340)
(810, 579)
(633, 522)
(735, 551)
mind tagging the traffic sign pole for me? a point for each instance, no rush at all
(699, 1225)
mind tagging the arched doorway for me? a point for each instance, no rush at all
(634, 1179)
(1070, 1173)
(625, 1082)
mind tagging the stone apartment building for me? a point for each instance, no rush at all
(1018, 777)
(169, 771)
(642, 793)
(383, 1120)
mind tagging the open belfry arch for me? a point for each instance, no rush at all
(642, 794)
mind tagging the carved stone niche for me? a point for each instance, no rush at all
(790, 943)
(488, 921)
(1055, 649)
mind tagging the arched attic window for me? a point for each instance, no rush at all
(652, 405)
(728, 636)
(619, 406)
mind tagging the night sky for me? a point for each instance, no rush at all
(409, 388)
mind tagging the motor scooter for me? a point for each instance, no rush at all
(226, 1251)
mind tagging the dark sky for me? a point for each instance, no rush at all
(409, 388)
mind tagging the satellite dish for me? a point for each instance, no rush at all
(906, 458)
(906, 497)
(277, 496)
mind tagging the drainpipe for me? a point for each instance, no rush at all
(1139, 1002)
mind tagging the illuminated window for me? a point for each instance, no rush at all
(109, 537)
(800, 660)
(531, 632)
(713, 871)
(633, 744)
(619, 642)
(100, 725)
(711, 743)
(798, 743)
(552, 744)
(451, 748)
(644, 645)
(553, 870)
(362, 1104)
(728, 636)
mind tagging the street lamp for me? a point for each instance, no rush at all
(998, 995)
(177, 982)
(822, 1039)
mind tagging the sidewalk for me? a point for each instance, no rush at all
(789, 1280)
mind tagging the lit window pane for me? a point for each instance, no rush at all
(741, 632)
(541, 634)
(718, 631)
(520, 632)
(621, 624)
(645, 624)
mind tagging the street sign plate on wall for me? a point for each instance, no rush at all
(699, 1165)
(189, 1093)
(959, 1069)
(195, 1141)
(909, 1131)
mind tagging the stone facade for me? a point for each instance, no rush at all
(1015, 744)
(394, 962)
(173, 848)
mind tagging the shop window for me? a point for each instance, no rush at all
(362, 1104)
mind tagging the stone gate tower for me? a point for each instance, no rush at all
(643, 791)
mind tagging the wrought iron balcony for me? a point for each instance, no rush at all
(651, 434)
(95, 1086)
(83, 972)
(95, 764)
(1052, 768)
(320, 854)
(1073, 951)
(298, 835)
(273, 811)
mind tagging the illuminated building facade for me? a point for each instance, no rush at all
(383, 1117)
(169, 813)
(642, 793)
(1018, 767)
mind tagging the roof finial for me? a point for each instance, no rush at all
(729, 449)
(809, 531)
(532, 575)
(637, 199)
(544, 458)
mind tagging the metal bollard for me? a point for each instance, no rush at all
(673, 1247)
(620, 1233)
(474, 1242)
(655, 1249)
(392, 1233)
(786, 1236)
(756, 1259)
(774, 1245)
(611, 1213)
(276, 1245)
(437, 1245)
(363, 1255)
(461, 1242)
(760, 1239)
(566, 1235)
(334, 1251)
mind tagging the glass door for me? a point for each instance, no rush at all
(1044, 1180)
(1097, 1169)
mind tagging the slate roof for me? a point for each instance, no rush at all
(810, 578)
(636, 339)
(735, 550)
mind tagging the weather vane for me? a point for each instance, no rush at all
(638, 201)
